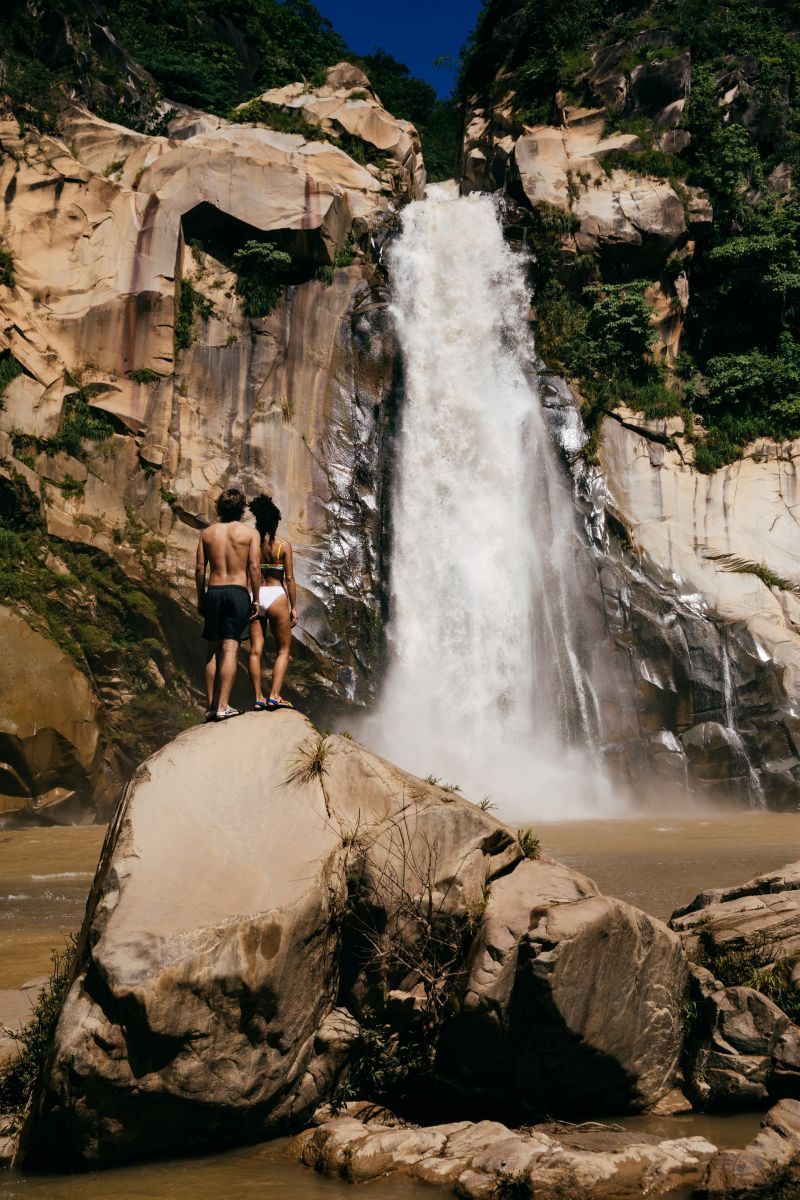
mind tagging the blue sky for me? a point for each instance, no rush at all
(414, 32)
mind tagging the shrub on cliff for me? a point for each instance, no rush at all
(619, 330)
(262, 272)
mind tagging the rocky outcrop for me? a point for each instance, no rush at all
(765, 911)
(347, 105)
(658, 88)
(124, 309)
(479, 1160)
(52, 770)
(625, 221)
(742, 1050)
(334, 887)
(767, 1168)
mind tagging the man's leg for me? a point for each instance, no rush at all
(229, 650)
(280, 623)
(211, 673)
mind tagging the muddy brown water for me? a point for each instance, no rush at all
(656, 863)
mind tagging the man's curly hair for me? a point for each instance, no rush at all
(267, 515)
(231, 504)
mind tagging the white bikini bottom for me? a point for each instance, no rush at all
(267, 597)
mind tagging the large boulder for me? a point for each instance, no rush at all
(742, 1048)
(347, 105)
(222, 970)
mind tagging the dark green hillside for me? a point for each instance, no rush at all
(740, 362)
(205, 53)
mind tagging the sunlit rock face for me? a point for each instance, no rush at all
(712, 604)
(111, 232)
(346, 104)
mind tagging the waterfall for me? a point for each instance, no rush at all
(485, 686)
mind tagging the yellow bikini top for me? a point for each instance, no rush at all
(276, 566)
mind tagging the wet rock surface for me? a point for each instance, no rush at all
(696, 657)
(478, 1160)
(768, 1168)
(211, 1015)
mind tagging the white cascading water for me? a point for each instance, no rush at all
(484, 686)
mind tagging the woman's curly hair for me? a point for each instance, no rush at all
(267, 515)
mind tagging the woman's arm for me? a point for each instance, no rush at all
(288, 581)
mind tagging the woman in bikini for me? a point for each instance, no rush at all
(277, 604)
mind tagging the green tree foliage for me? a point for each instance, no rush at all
(760, 391)
(262, 274)
(619, 331)
(213, 55)
(9, 370)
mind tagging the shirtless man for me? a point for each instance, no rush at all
(232, 551)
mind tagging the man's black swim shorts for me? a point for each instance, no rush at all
(227, 613)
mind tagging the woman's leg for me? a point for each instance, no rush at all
(280, 623)
(254, 662)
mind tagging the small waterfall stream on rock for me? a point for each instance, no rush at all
(485, 686)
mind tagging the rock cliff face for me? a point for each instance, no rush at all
(136, 385)
(334, 888)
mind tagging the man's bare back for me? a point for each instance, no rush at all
(227, 548)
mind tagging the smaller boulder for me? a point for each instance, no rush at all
(743, 1049)
(767, 1168)
(540, 1021)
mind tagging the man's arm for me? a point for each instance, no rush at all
(288, 579)
(254, 570)
(200, 573)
